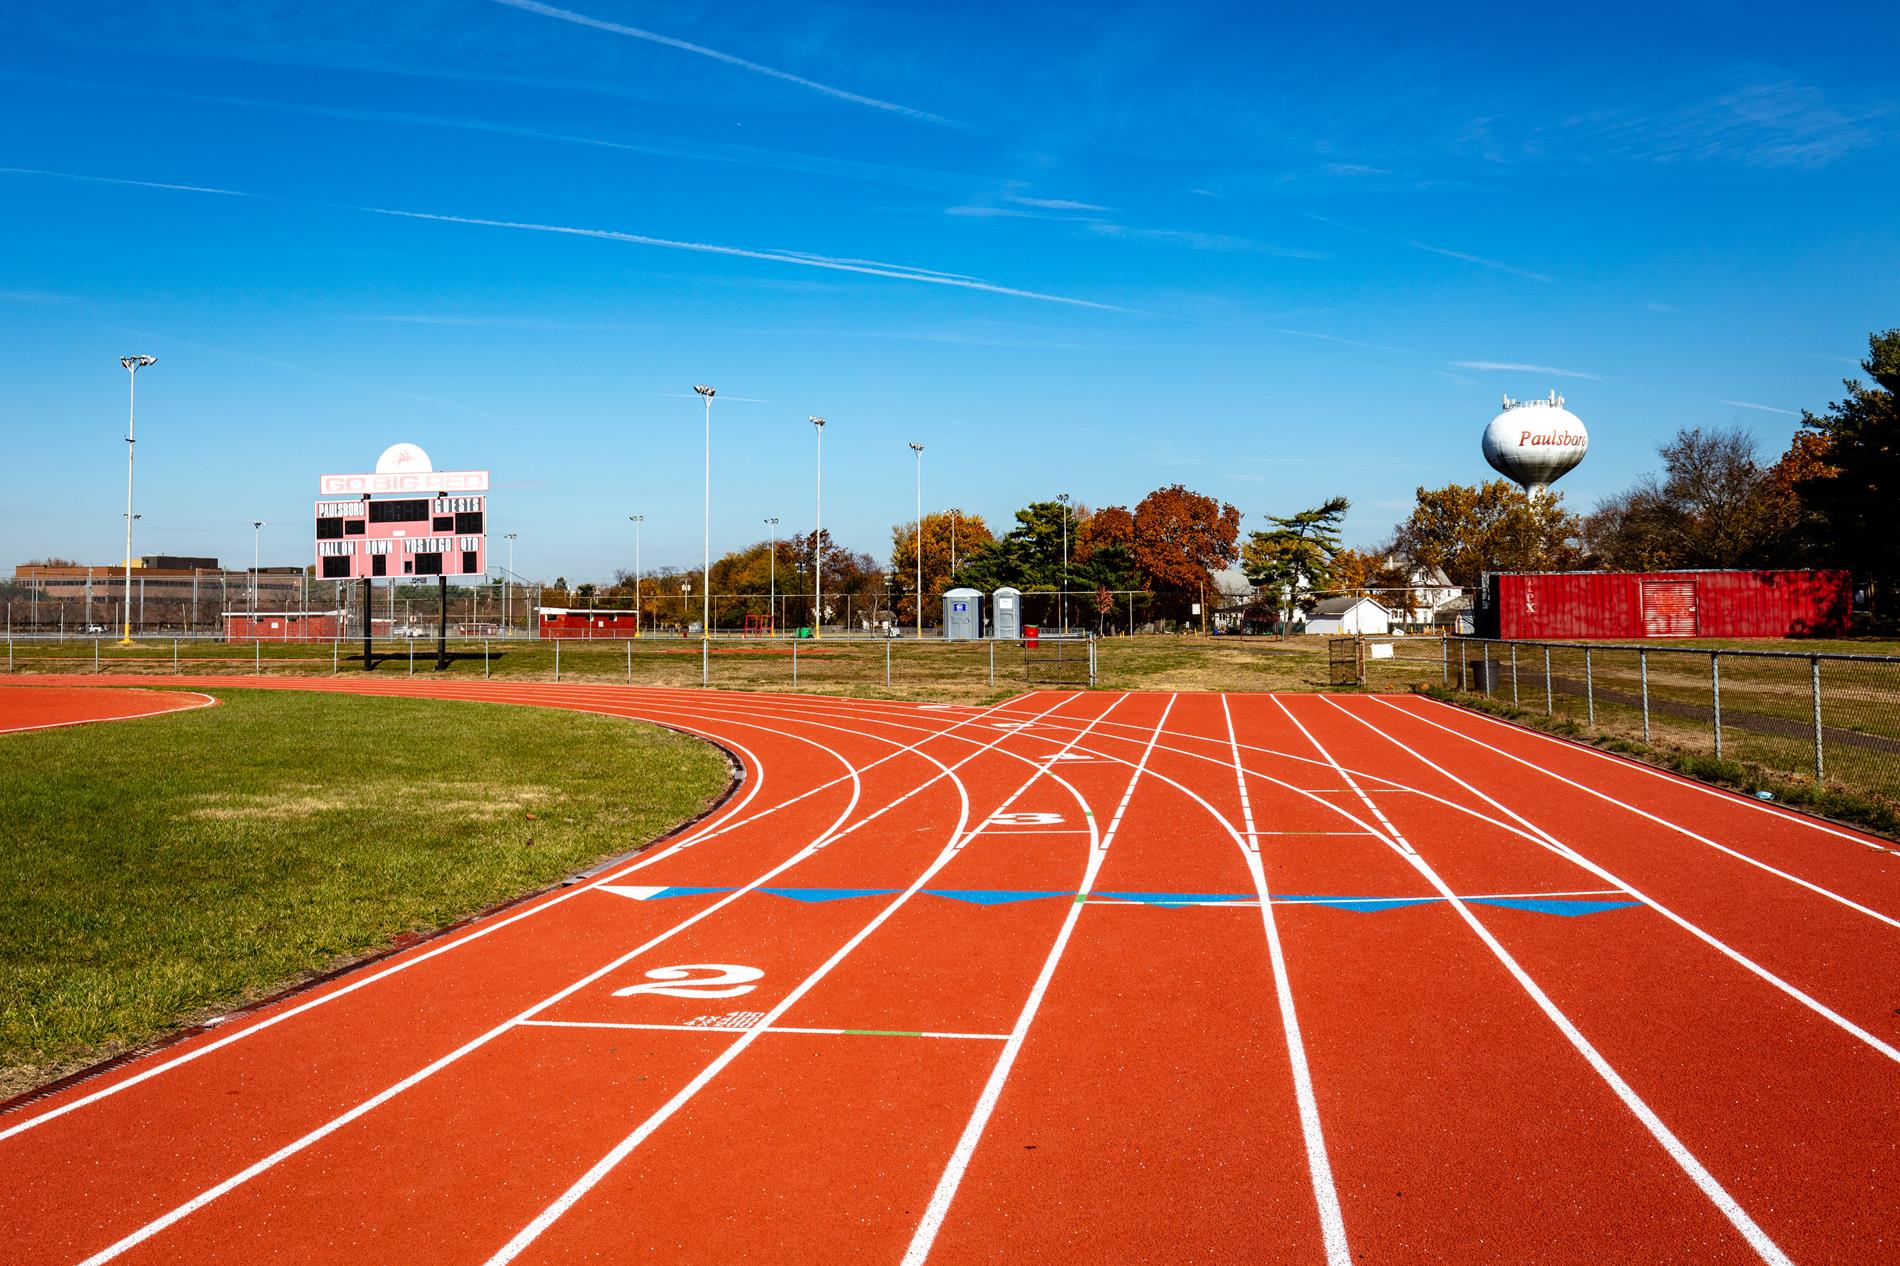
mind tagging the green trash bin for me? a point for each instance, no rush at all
(804, 630)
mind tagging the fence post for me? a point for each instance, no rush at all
(1820, 764)
(174, 656)
(887, 661)
(705, 662)
(1642, 664)
(1488, 674)
(557, 659)
(1589, 689)
(629, 661)
(993, 660)
(412, 654)
(484, 659)
(1513, 674)
(1549, 703)
(95, 655)
(257, 658)
(794, 660)
(1715, 697)
(1464, 666)
(1091, 663)
(1444, 656)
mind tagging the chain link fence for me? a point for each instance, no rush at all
(1822, 716)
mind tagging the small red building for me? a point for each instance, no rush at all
(1623, 605)
(285, 626)
(579, 622)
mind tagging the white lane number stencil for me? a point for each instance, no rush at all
(1024, 819)
(727, 980)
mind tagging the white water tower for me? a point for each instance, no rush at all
(1534, 443)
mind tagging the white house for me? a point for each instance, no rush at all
(1349, 616)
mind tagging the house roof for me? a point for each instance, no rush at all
(1339, 606)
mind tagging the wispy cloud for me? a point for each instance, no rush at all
(869, 268)
(1761, 408)
(1653, 306)
(1198, 241)
(1446, 251)
(1516, 368)
(1053, 204)
(1349, 342)
(654, 37)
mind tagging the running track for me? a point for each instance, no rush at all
(1076, 978)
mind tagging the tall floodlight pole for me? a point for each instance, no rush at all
(818, 537)
(919, 450)
(953, 545)
(508, 586)
(705, 558)
(1063, 497)
(257, 537)
(132, 366)
(771, 603)
(636, 520)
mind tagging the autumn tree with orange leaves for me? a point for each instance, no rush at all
(1181, 538)
(971, 535)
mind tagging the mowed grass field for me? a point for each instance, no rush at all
(166, 869)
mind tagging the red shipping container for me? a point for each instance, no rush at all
(575, 622)
(1633, 605)
(282, 626)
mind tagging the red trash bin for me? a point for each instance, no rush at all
(1030, 633)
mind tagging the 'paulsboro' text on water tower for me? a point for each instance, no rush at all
(1534, 443)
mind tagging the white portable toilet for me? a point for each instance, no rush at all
(1006, 614)
(962, 615)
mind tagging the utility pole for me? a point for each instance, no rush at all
(919, 450)
(771, 602)
(636, 520)
(132, 366)
(818, 539)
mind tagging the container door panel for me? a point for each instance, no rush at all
(1669, 608)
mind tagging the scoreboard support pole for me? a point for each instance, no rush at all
(368, 598)
(442, 625)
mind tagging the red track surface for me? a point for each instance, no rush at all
(1678, 1046)
(49, 707)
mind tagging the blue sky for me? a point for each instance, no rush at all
(1269, 252)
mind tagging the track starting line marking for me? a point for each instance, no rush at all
(1568, 905)
(752, 1025)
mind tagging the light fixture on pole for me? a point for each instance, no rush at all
(132, 366)
(818, 538)
(1063, 497)
(507, 585)
(705, 622)
(771, 602)
(257, 536)
(636, 520)
(919, 450)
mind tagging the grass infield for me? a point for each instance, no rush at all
(164, 870)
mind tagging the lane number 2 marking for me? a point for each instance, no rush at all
(726, 981)
(1025, 819)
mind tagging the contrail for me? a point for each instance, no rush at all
(581, 19)
(869, 268)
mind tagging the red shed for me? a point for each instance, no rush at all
(1587, 605)
(579, 622)
(282, 626)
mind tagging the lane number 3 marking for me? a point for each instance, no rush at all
(1025, 819)
(728, 980)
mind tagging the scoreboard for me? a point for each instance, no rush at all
(402, 537)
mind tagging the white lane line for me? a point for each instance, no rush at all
(946, 1190)
(1545, 839)
(1815, 888)
(1678, 1151)
(776, 1028)
(128, 716)
(291, 1149)
(1240, 780)
(621, 1150)
(1720, 793)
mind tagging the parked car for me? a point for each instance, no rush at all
(96, 628)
